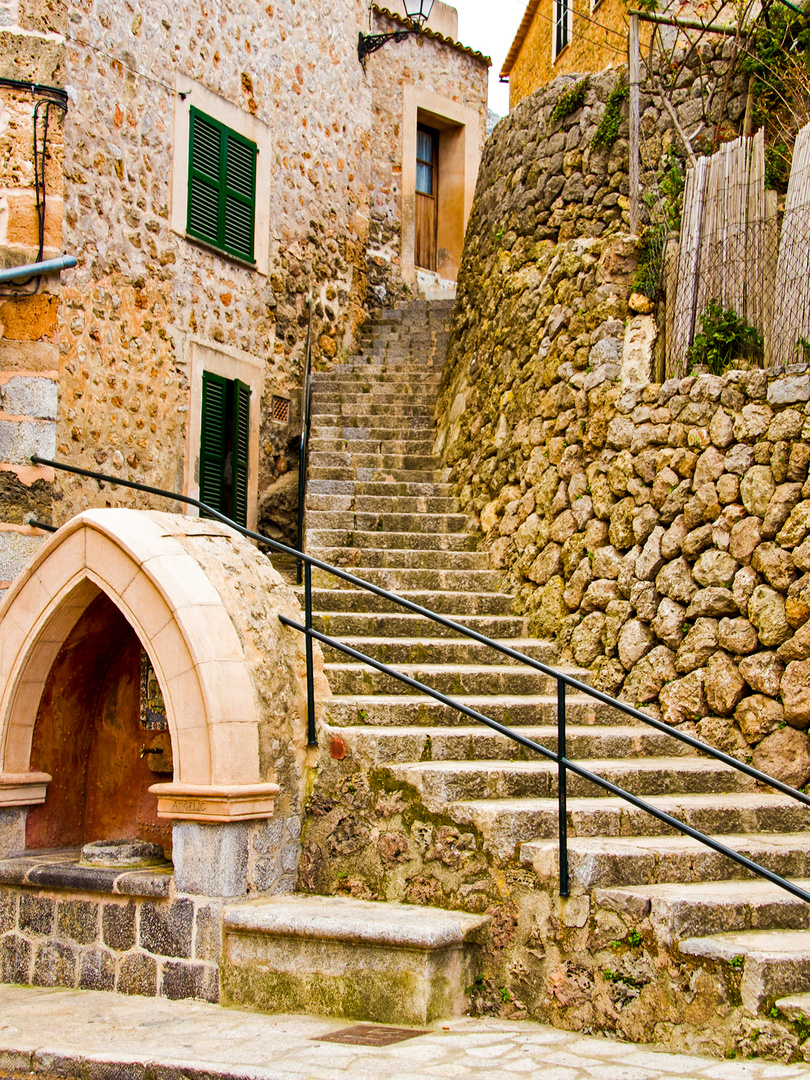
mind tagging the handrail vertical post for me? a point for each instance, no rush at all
(303, 455)
(312, 737)
(562, 793)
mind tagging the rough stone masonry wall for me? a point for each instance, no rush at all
(31, 48)
(131, 944)
(657, 532)
(142, 293)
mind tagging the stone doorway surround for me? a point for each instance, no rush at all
(204, 604)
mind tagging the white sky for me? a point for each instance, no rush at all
(490, 28)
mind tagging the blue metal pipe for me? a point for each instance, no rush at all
(49, 266)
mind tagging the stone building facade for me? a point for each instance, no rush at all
(430, 83)
(31, 51)
(156, 311)
(564, 37)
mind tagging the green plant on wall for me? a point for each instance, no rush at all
(724, 336)
(671, 182)
(647, 279)
(571, 101)
(607, 131)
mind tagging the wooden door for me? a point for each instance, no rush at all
(427, 185)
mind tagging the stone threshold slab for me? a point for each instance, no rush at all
(61, 870)
(341, 918)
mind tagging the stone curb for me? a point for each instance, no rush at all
(77, 1066)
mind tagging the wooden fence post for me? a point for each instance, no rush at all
(635, 122)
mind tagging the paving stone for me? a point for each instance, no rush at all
(106, 1036)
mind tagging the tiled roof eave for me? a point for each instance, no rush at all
(427, 32)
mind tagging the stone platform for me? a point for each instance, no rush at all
(102, 1036)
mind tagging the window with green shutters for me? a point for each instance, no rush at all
(221, 186)
(224, 442)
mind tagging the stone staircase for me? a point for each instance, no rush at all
(414, 802)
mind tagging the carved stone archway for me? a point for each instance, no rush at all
(169, 591)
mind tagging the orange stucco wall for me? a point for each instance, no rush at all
(591, 48)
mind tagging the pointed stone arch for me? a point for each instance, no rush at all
(183, 622)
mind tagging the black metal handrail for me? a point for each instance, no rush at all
(303, 452)
(564, 763)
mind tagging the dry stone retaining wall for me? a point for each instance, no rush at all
(658, 532)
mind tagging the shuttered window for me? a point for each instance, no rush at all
(224, 442)
(221, 186)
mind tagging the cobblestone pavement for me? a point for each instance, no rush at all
(99, 1036)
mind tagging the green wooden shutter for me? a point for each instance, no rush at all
(240, 451)
(221, 186)
(239, 196)
(213, 446)
(205, 157)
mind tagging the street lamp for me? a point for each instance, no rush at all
(416, 11)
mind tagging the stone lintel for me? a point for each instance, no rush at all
(23, 789)
(230, 802)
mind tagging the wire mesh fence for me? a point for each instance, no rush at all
(738, 271)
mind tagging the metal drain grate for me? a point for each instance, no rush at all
(369, 1035)
(281, 410)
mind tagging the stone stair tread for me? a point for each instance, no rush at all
(347, 919)
(759, 944)
(660, 844)
(658, 764)
(794, 1006)
(439, 643)
(475, 701)
(668, 803)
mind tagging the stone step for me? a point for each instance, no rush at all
(405, 504)
(333, 955)
(350, 678)
(371, 446)
(370, 410)
(336, 399)
(505, 823)
(796, 1007)
(402, 489)
(404, 579)
(361, 521)
(331, 601)
(447, 651)
(773, 963)
(656, 859)
(383, 745)
(382, 504)
(349, 427)
(357, 560)
(319, 539)
(374, 393)
(346, 459)
(365, 372)
(678, 911)
(349, 472)
(456, 781)
(420, 710)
